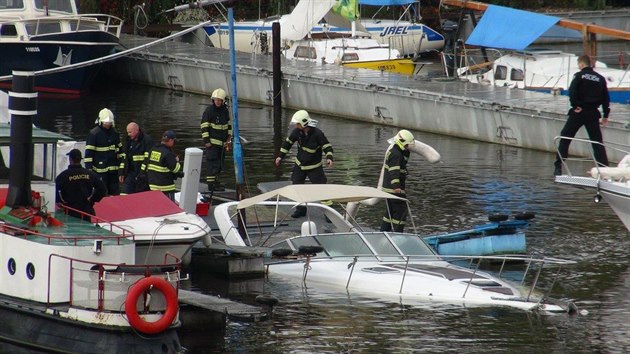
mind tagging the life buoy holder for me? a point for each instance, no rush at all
(139, 288)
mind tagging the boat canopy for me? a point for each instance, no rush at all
(307, 193)
(507, 28)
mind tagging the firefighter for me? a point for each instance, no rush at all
(137, 146)
(394, 178)
(308, 163)
(78, 187)
(216, 132)
(103, 151)
(162, 166)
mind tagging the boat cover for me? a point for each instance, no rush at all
(507, 28)
(303, 18)
(308, 193)
(135, 206)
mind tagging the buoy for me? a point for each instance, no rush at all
(497, 217)
(267, 300)
(528, 215)
(281, 252)
(140, 287)
(310, 250)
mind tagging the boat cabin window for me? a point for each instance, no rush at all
(350, 57)
(516, 75)
(38, 28)
(11, 4)
(381, 244)
(500, 72)
(305, 52)
(8, 31)
(55, 5)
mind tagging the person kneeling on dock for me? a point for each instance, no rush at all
(308, 163)
(79, 188)
(162, 166)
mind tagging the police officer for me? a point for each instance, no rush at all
(103, 151)
(162, 166)
(308, 162)
(78, 187)
(394, 178)
(216, 132)
(587, 92)
(137, 146)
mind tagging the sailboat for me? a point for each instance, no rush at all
(315, 16)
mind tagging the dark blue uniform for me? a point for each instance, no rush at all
(395, 177)
(136, 151)
(216, 130)
(79, 188)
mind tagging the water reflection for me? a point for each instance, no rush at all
(472, 180)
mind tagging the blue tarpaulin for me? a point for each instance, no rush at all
(506, 28)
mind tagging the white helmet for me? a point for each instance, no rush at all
(404, 137)
(302, 118)
(105, 116)
(218, 93)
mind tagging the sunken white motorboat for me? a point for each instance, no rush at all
(326, 249)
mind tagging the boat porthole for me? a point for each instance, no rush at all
(30, 271)
(11, 266)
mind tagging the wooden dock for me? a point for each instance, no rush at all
(233, 310)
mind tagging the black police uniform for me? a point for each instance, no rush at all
(588, 91)
(79, 188)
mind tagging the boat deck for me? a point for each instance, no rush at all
(71, 232)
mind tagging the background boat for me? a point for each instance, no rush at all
(37, 36)
(317, 17)
(542, 70)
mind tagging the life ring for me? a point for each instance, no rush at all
(139, 288)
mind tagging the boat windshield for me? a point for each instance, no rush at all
(55, 5)
(353, 244)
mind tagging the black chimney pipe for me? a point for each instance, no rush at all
(22, 107)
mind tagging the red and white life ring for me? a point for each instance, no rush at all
(138, 289)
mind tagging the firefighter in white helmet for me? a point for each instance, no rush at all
(312, 143)
(216, 132)
(394, 178)
(104, 153)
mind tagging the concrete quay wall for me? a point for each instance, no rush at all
(496, 115)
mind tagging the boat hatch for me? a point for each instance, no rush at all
(380, 270)
(500, 290)
(482, 282)
(447, 273)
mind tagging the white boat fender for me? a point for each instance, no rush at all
(422, 149)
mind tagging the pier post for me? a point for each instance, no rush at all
(190, 182)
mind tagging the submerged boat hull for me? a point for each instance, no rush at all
(32, 328)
